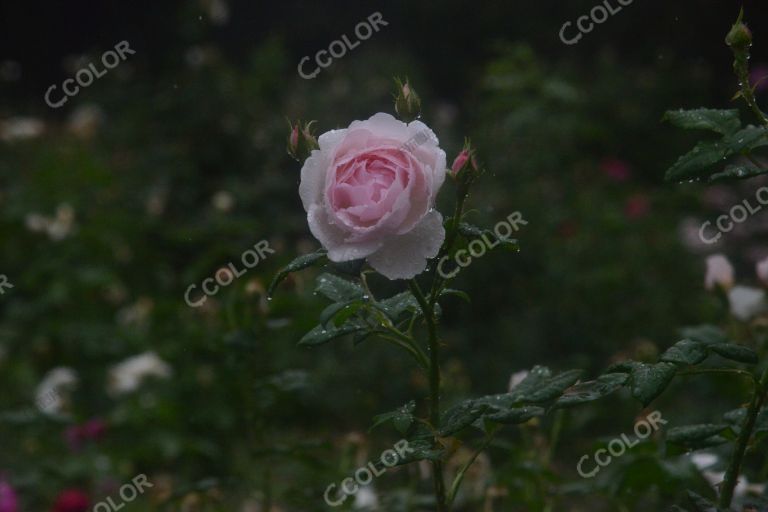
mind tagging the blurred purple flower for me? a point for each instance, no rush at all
(758, 77)
(8, 500)
(615, 169)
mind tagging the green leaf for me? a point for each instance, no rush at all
(402, 417)
(694, 433)
(592, 390)
(300, 263)
(395, 306)
(737, 172)
(706, 334)
(331, 311)
(460, 416)
(649, 380)
(457, 293)
(698, 162)
(701, 504)
(338, 289)
(323, 334)
(515, 415)
(554, 387)
(724, 122)
(685, 352)
(735, 352)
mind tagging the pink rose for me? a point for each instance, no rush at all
(369, 192)
(719, 272)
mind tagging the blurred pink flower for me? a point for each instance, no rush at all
(615, 169)
(90, 431)
(719, 272)
(637, 206)
(8, 499)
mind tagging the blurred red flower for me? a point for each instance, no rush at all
(71, 500)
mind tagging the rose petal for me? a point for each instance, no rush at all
(334, 239)
(405, 256)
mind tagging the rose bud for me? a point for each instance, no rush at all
(465, 168)
(301, 141)
(719, 273)
(740, 37)
(407, 102)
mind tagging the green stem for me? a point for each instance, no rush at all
(434, 387)
(734, 468)
(460, 476)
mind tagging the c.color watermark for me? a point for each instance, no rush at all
(225, 276)
(599, 14)
(338, 48)
(364, 476)
(86, 76)
(478, 247)
(738, 214)
(4, 283)
(617, 447)
(128, 493)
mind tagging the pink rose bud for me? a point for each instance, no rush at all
(407, 102)
(460, 161)
(719, 273)
(301, 141)
(9, 502)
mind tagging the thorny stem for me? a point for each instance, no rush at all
(732, 473)
(434, 387)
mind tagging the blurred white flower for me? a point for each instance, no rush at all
(85, 120)
(137, 313)
(20, 128)
(52, 392)
(223, 201)
(719, 272)
(366, 498)
(517, 378)
(761, 269)
(127, 376)
(57, 227)
(743, 487)
(703, 460)
(746, 302)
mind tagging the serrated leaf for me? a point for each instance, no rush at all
(554, 387)
(706, 334)
(515, 415)
(395, 306)
(649, 380)
(737, 172)
(323, 334)
(300, 263)
(698, 162)
(401, 416)
(332, 310)
(693, 433)
(460, 416)
(724, 122)
(338, 289)
(592, 390)
(685, 352)
(735, 352)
